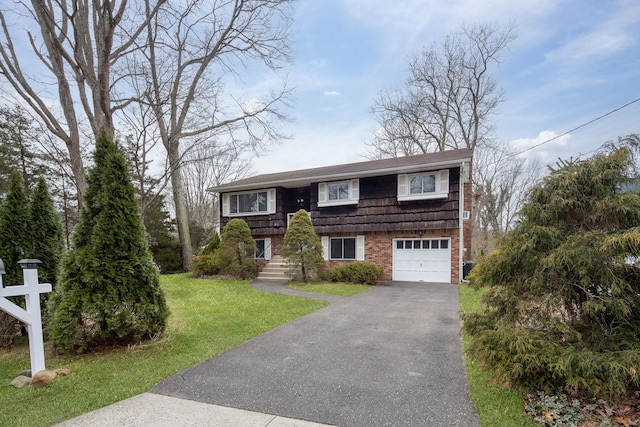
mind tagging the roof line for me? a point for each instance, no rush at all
(332, 176)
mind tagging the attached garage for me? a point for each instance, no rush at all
(422, 260)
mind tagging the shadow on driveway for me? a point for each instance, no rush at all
(389, 356)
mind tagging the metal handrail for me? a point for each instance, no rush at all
(264, 251)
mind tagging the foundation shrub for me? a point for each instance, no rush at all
(359, 272)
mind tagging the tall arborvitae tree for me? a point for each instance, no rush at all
(14, 246)
(47, 239)
(15, 240)
(563, 297)
(301, 244)
(109, 291)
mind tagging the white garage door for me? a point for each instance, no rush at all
(422, 260)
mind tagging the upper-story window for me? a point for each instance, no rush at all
(338, 193)
(249, 203)
(427, 185)
(422, 184)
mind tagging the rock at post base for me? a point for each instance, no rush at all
(43, 378)
(21, 381)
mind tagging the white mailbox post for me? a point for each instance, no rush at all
(32, 316)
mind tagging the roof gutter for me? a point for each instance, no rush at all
(306, 180)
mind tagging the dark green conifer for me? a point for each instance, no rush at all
(109, 291)
(235, 256)
(15, 244)
(163, 242)
(15, 238)
(302, 247)
(47, 239)
(563, 288)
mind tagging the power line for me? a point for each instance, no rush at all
(576, 128)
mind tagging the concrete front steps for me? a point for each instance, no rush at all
(275, 270)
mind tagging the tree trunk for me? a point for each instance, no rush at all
(180, 203)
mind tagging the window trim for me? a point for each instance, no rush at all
(441, 186)
(343, 239)
(326, 248)
(354, 193)
(271, 203)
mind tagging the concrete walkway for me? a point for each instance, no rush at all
(390, 356)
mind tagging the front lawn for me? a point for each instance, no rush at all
(497, 406)
(342, 289)
(207, 317)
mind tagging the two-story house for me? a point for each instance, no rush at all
(408, 214)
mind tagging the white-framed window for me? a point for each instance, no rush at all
(262, 202)
(343, 248)
(263, 249)
(338, 193)
(426, 185)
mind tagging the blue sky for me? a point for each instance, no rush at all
(573, 61)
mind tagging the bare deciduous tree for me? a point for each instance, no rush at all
(77, 45)
(448, 102)
(449, 98)
(189, 54)
(500, 186)
(206, 166)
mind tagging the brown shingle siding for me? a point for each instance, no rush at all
(379, 209)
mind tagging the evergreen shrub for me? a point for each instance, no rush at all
(563, 288)
(164, 245)
(204, 265)
(235, 256)
(212, 246)
(358, 272)
(47, 238)
(15, 232)
(168, 256)
(15, 244)
(302, 247)
(109, 290)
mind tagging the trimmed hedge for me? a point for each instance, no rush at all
(359, 272)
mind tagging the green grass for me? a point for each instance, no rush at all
(496, 405)
(342, 289)
(207, 317)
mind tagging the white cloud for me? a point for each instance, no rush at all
(546, 147)
(253, 105)
(331, 93)
(611, 36)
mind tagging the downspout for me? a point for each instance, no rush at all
(462, 180)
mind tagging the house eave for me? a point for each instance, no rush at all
(304, 181)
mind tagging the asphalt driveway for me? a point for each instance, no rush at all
(390, 356)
